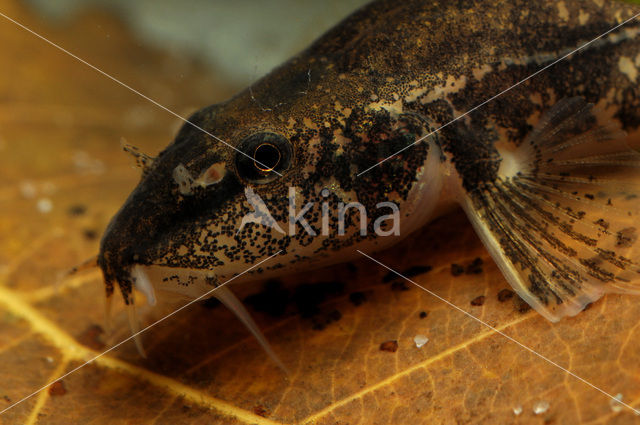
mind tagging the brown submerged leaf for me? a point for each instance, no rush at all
(60, 130)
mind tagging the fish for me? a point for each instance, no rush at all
(522, 113)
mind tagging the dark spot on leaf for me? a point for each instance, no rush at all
(478, 301)
(505, 294)
(390, 346)
(335, 315)
(260, 410)
(90, 234)
(357, 298)
(475, 267)
(210, 303)
(521, 305)
(389, 277)
(416, 270)
(57, 389)
(423, 314)
(272, 300)
(399, 286)
(76, 210)
(320, 322)
(90, 337)
(309, 296)
(456, 269)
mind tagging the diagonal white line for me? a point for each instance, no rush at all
(114, 79)
(500, 94)
(136, 334)
(531, 350)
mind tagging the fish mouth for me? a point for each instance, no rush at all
(163, 282)
(152, 281)
(192, 285)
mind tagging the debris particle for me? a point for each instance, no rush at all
(475, 267)
(456, 269)
(416, 270)
(6, 398)
(49, 359)
(28, 190)
(423, 314)
(390, 346)
(478, 301)
(505, 294)
(44, 205)
(540, 407)
(90, 234)
(76, 210)
(260, 410)
(615, 404)
(57, 388)
(517, 410)
(357, 298)
(420, 340)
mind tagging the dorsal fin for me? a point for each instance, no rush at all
(561, 219)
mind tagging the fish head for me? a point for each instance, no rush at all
(275, 170)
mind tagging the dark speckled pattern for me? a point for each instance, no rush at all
(384, 77)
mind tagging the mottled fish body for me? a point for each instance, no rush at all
(544, 170)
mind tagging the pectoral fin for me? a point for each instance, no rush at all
(561, 219)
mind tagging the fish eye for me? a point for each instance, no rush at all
(266, 155)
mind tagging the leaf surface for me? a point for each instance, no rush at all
(64, 176)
